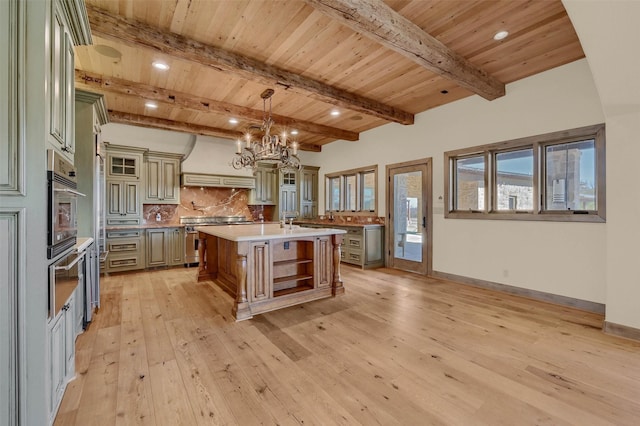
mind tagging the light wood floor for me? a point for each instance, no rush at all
(395, 349)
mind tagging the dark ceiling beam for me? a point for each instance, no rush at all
(118, 28)
(195, 103)
(180, 126)
(379, 22)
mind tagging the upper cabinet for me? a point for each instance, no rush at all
(266, 190)
(123, 184)
(309, 192)
(124, 162)
(298, 193)
(68, 27)
(162, 175)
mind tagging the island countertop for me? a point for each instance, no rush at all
(264, 231)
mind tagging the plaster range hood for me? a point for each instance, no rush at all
(206, 165)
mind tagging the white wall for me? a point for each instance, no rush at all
(142, 137)
(560, 258)
(609, 33)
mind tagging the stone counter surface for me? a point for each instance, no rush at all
(157, 225)
(264, 231)
(329, 224)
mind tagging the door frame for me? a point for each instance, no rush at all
(427, 260)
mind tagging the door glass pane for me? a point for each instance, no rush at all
(407, 216)
(350, 193)
(334, 194)
(469, 183)
(368, 191)
(570, 180)
(514, 180)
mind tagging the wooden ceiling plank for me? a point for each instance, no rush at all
(115, 27)
(180, 126)
(376, 20)
(185, 100)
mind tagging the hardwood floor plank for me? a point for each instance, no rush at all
(135, 401)
(396, 348)
(205, 395)
(170, 401)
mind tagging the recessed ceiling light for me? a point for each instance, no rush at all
(294, 132)
(151, 105)
(501, 35)
(335, 112)
(233, 120)
(161, 66)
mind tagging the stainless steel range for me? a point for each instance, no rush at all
(191, 235)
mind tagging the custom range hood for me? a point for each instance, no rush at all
(207, 165)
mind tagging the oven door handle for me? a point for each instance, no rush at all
(71, 191)
(69, 266)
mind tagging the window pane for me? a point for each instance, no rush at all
(570, 179)
(514, 180)
(469, 183)
(368, 191)
(350, 192)
(334, 194)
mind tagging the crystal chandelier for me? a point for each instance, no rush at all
(270, 148)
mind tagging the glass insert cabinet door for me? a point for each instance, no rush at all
(408, 221)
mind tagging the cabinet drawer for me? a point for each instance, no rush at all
(125, 233)
(354, 231)
(120, 247)
(125, 263)
(355, 243)
(119, 222)
(354, 257)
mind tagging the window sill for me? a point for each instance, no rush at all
(536, 217)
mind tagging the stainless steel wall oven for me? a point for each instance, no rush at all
(64, 276)
(62, 223)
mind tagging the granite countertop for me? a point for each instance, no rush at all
(329, 224)
(82, 243)
(153, 225)
(268, 231)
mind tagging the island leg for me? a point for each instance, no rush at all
(336, 285)
(208, 257)
(241, 308)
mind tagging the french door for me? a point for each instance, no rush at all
(409, 212)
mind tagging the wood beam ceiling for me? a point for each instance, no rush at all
(120, 29)
(377, 21)
(195, 103)
(179, 126)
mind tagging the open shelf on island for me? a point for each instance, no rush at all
(291, 290)
(291, 262)
(293, 266)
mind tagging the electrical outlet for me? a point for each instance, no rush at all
(158, 217)
(348, 218)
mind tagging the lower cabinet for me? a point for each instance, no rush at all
(364, 246)
(126, 250)
(165, 247)
(361, 245)
(61, 354)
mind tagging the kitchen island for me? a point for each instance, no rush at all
(266, 267)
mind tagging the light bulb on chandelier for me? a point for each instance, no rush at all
(274, 149)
